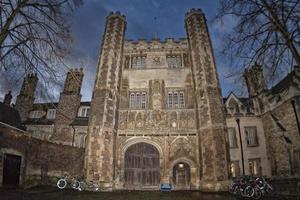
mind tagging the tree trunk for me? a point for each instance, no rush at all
(5, 29)
(289, 42)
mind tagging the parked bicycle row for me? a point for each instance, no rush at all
(250, 187)
(77, 184)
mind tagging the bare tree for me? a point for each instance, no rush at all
(34, 36)
(266, 31)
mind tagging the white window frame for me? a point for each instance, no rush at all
(251, 136)
(51, 113)
(137, 100)
(84, 111)
(176, 99)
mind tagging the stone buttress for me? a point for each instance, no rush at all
(211, 119)
(100, 148)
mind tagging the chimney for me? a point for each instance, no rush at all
(7, 98)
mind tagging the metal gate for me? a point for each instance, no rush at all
(142, 165)
(11, 170)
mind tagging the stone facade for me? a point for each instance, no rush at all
(25, 99)
(157, 116)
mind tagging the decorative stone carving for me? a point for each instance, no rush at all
(123, 120)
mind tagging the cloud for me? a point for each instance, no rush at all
(88, 23)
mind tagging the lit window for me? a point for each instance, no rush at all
(254, 167)
(51, 114)
(235, 168)
(251, 136)
(174, 61)
(138, 62)
(232, 138)
(176, 100)
(84, 111)
(137, 100)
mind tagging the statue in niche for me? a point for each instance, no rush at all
(127, 60)
(164, 120)
(148, 120)
(191, 120)
(156, 95)
(186, 60)
(156, 87)
(131, 120)
(173, 120)
(183, 120)
(139, 121)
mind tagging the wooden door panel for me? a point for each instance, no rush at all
(11, 170)
(142, 165)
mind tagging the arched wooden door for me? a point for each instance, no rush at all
(181, 176)
(142, 165)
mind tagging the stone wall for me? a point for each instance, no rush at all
(42, 161)
(282, 138)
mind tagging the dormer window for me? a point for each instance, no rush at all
(84, 111)
(174, 61)
(51, 114)
(36, 114)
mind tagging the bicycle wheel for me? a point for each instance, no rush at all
(62, 183)
(248, 192)
(75, 185)
(257, 193)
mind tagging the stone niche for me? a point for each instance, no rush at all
(156, 94)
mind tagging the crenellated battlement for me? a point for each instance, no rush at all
(193, 11)
(116, 14)
(168, 43)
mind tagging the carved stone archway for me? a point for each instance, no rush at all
(181, 176)
(141, 166)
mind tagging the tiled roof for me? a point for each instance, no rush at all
(285, 83)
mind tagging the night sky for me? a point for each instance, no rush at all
(88, 23)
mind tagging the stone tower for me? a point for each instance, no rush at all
(256, 86)
(25, 99)
(255, 80)
(100, 149)
(68, 105)
(211, 119)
